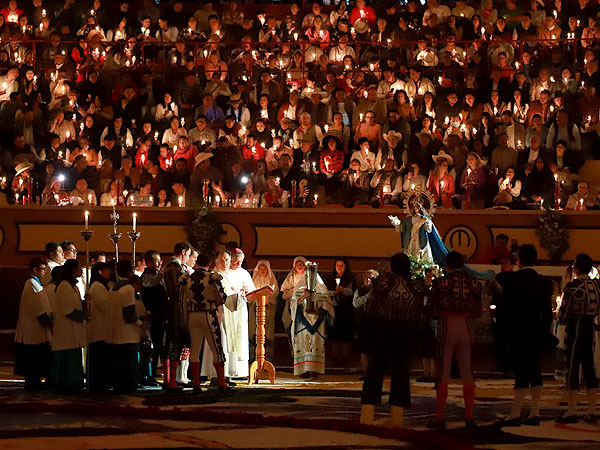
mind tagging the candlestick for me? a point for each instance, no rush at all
(134, 236)
(87, 235)
(294, 193)
(556, 192)
(115, 236)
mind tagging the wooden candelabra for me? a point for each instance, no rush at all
(261, 366)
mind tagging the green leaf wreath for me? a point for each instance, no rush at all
(420, 265)
(205, 230)
(553, 234)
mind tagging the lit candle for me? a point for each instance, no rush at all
(68, 135)
(519, 143)
(326, 128)
(412, 187)
(180, 200)
(87, 217)
(134, 222)
(89, 199)
(218, 200)
(16, 199)
(156, 136)
(316, 199)
(580, 204)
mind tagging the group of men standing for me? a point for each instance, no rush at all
(184, 309)
(396, 303)
(193, 308)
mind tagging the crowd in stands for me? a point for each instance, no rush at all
(491, 103)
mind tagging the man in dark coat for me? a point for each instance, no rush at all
(528, 303)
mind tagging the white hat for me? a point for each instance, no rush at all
(443, 155)
(22, 167)
(392, 134)
(201, 157)
(361, 26)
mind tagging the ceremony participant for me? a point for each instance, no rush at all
(528, 306)
(287, 290)
(54, 257)
(262, 276)
(205, 299)
(69, 332)
(455, 297)
(154, 297)
(393, 308)
(98, 355)
(578, 311)
(241, 283)
(34, 330)
(176, 329)
(231, 328)
(123, 331)
(308, 330)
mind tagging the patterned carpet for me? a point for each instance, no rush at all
(293, 414)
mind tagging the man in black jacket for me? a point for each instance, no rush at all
(154, 297)
(528, 303)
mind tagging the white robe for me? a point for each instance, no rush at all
(234, 328)
(309, 346)
(34, 303)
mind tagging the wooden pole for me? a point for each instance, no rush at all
(261, 365)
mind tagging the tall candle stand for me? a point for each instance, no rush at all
(134, 235)
(261, 367)
(115, 236)
(87, 234)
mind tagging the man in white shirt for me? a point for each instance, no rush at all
(365, 156)
(441, 11)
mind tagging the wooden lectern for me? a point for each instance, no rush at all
(261, 365)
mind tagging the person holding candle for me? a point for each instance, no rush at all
(341, 284)
(331, 163)
(387, 185)
(538, 182)
(582, 199)
(472, 181)
(84, 195)
(441, 183)
(578, 311)
(509, 188)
